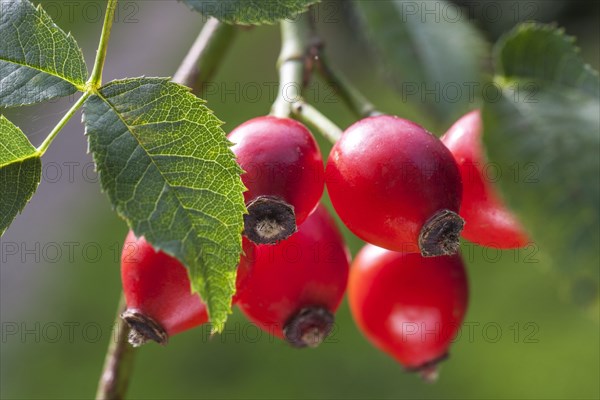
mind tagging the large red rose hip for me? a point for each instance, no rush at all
(159, 297)
(284, 175)
(488, 221)
(409, 306)
(292, 289)
(397, 186)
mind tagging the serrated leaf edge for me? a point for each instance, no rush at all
(217, 325)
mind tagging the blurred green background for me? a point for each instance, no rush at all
(60, 273)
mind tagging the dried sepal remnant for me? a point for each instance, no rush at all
(309, 327)
(142, 329)
(440, 236)
(269, 220)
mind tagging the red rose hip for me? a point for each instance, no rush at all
(284, 176)
(488, 221)
(292, 289)
(158, 293)
(409, 306)
(396, 185)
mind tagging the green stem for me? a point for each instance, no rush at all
(95, 80)
(118, 363)
(300, 50)
(205, 55)
(349, 94)
(296, 38)
(310, 115)
(46, 143)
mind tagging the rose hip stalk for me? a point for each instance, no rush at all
(292, 289)
(158, 292)
(284, 176)
(397, 186)
(488, 221)
(409, 306)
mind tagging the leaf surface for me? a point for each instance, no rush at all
(250, 12)
(544, 134)
(166, 165)
(430, 51)
(20, 172)
(38, 61)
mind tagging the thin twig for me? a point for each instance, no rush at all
(61, 124)
(353, 98)
(118, 363)
(201, 61)
(292, 64)
(95, 80)
(301, 52)
(309, 114)
(295, 65)
(344, 89)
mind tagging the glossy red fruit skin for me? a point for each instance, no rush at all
(409, 306)
(387, 176)
(488, 221)
(282, 159)
(309, 269)
(158, 286)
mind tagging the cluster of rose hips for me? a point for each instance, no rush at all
(405, 192)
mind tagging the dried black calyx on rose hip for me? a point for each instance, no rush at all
(143, 329)
(269, 220)
(440, 235)
(309, 328)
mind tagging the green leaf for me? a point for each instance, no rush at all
(167, 167)
(250, 12)
(543, 131)
(544, 54)
(431, 52)
(38, 61)
(20, 172)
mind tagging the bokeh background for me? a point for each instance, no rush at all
(59, 291)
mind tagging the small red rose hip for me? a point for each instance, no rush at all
(488, 221)
(158, 293)
(396, 185)
(409, 306)
(292, 289)
(284, 176)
